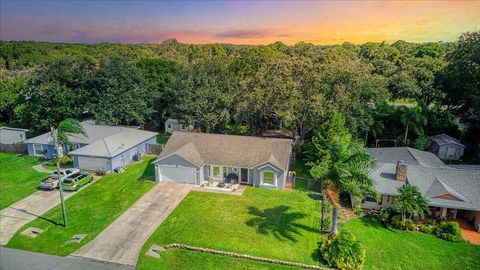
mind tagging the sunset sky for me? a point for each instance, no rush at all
(238, 22)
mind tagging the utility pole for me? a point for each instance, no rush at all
(59, 151)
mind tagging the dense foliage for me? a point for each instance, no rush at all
(341, 162)
(449, 230)
(411, 202)
(215, 86)
(344, 252)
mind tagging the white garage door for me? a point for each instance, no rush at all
(178, 174)
(93, 164)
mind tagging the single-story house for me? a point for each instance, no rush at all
(199, 157)
(172, 125)
(104, 148)
(452, 192)
(10, 135)
(447, 147)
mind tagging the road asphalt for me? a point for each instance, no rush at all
(15, 259)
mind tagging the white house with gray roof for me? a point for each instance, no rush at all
(104, 148)
(9, 135)
(447, 147)
(200, 157)
(452, 192)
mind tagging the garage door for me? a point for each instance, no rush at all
(93, 164)
(178, 174)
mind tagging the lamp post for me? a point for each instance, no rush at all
(59, 151)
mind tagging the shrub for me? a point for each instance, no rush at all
(397, 222)
(428, 229)
(358, 210)
(343, 252)
(410, 225)
(65, 160)
(423, 143)
(449, 231)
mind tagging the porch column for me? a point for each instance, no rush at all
(443, 212)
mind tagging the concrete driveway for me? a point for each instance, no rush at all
(122, 240)
(15, 216)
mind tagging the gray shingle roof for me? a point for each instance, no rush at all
(444, 139)
(230, 150)
(409, 155)
(431, 181)
(94, 132)
(115, 144)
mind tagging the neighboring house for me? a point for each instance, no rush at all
(198, 157)
(10, 135)
(172, 125)
(104, 147)
(452, 192)
(447, 147)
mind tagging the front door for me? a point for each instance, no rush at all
(244, 175)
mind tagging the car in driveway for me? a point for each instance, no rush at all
(51, 181)
(76, 180)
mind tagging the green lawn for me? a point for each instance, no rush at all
(269, 223)
(183, 259)
(89, 212)
(17, 178)
(394, 249)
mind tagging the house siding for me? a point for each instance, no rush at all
(50, 149)
(174, 160)
(256, 176)
(8, 136)
(442, 151)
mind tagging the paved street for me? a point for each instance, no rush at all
(14, 259)
(122, 240)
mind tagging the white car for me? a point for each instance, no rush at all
(51, 182)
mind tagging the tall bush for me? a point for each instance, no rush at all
(344, 252)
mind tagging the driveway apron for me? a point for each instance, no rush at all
(15, 216)
(122, 240)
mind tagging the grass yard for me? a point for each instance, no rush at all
(89, 212)
(394, 249)
(183, 259)
(269, 223)
(17, 178)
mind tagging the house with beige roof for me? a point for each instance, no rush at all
(199, 157)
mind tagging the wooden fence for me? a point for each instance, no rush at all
(154, 149)
(19, 148)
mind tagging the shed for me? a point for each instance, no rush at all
(172, 125)
(9, 135)
(447, 147)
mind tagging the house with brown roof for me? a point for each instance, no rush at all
(199, 157)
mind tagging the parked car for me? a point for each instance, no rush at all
(77, 180)
(51, 182)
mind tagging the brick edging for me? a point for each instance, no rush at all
(244, 256)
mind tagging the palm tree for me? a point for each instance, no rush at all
(60, 138)
(341, 162)
(412, 118)
(411, 201)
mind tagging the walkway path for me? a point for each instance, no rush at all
(122, 240)
(40, 168)
(468, 232)
(15, 216)
(14, 259)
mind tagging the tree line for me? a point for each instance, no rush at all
(248, 89)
